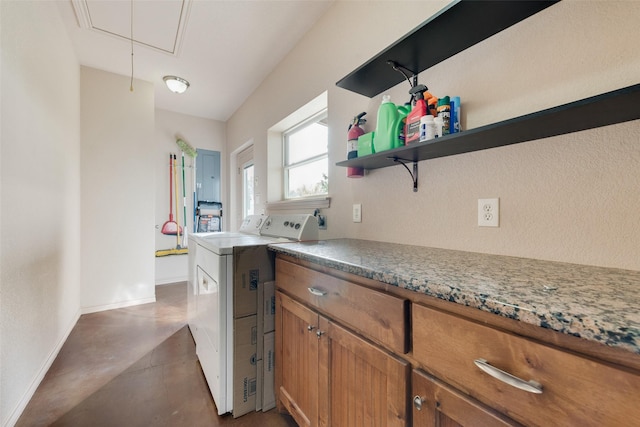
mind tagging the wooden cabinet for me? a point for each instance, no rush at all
(326, 373)
(297, 360)
(438, 405)
(341, 361)
(368, 386)
(378, 316)
(531, 382)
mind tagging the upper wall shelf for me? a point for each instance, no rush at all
(609, 108)
(460, 25)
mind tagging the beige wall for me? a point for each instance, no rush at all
(199, 133)
(572, 198)
(40, 197)
(118, 198)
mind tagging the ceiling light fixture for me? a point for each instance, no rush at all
(176, 84)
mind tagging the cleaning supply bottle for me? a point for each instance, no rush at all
(386, 136)
(455, 115)
(427, 128)
(412, 132)
(439, 124)
(444, 111)
(432, 104)
(403, 112)
(353, 134)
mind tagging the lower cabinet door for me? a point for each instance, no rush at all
(437, 404)
(297, 360)
(368, 386)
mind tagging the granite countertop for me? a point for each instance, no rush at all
(595, 303)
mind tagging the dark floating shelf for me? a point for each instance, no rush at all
(457, 27)
(609, 108)
(450, 31)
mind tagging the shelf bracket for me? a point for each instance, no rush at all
(414, 174)
(413, 81)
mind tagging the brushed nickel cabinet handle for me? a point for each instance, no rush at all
(530, 386)
(310, 328)
(317, 292)
(319, 334)
(417, 402)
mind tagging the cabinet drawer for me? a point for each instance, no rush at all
(374, 314)
(575, 390)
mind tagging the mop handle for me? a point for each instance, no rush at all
(175, 178)
(170, 189)
(184, 195)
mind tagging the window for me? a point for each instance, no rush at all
(305, 158)
(248, 191)
(246, 173)
(290, 152)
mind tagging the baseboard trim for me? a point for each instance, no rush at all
(171, 280)
(122, 304)
(177, 282)
(26, 397)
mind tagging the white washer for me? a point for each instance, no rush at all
(250, 226)
(225, 271)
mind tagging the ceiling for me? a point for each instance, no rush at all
(224, 48)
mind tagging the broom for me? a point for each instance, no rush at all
(178, 250)
(170, 227)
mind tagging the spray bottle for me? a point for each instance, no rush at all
(412, 132)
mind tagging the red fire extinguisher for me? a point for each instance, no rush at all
(352, 144)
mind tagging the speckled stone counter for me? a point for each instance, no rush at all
(599, 304)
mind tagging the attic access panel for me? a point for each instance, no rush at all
(455, 28)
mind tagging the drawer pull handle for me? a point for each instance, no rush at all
(530, 386)
(317, 292)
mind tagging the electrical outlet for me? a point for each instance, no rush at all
(357, 212)
(488, 212)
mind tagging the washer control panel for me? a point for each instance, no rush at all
(292, 226)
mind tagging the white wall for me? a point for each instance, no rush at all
(571, 198)
(118, 199)
(199, 133)
(60, 194)
(40, 191)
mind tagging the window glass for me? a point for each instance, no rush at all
(248, 190)
(308, 142)
(309, 179)
(306, 161)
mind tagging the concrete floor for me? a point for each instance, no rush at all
(133, 366)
